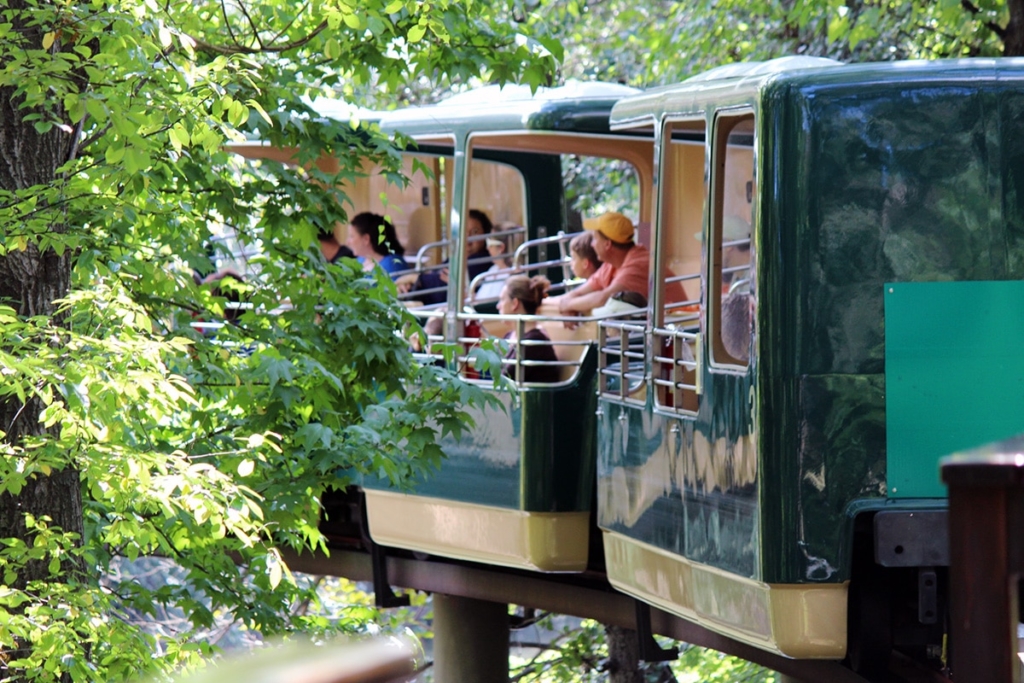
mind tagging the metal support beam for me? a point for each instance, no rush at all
(581, 595)
(383, 596)
(650, 651)
(470, 640)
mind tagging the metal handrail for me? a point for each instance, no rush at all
(421, 252)
(629, 381)
(678, 366)
(520, 321)
(519, 265)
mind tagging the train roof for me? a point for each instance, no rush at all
(578, 106)
(736, 81)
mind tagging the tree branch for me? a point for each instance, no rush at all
(991, 25)
(237, 49)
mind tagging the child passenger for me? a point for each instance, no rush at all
(584, 261)
(522, 295)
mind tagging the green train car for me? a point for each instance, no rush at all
(770, 471)
(850, 239)
(518, 491)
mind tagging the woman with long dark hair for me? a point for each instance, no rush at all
(374, 241)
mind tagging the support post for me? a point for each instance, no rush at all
(986, 519)
(650, 651)
(470, 640)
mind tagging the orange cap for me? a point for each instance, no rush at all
(612, 225)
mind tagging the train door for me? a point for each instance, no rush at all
(721, 495)
(676, 323)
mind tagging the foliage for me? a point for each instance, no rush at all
(657, 43)
(212, 449)
(594, 185)
(578, 651)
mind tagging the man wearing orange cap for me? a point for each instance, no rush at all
(626, 266)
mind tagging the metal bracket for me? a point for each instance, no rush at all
(650, 651)
(383, 595)
(918, 538)
(927, 595)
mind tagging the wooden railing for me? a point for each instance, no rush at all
(986, 537)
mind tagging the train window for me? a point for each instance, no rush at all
(413, 208)
(498, 190)
(594, 185)
(567, 177)
(678, 256)
(731, 294)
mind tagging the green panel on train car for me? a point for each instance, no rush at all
(971, 332)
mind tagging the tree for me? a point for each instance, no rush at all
(646, 44)
(124, 431)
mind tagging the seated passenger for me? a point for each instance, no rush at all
(331, 248)
(736, 325)
(374, 242)
(494, 279)
(523, 295)
(584, 261)
(477, 261)
(625, 268)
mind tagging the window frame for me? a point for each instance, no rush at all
(666, 342)
(725, 121)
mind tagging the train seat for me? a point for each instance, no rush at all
(569, 343)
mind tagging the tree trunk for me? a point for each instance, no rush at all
(1013, 39)
(30, 281)
(624, 659)
(623, 655)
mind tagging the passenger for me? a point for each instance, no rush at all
(477, 258)
(523, 295)
(584, 261)
(736, 325)
(495, 276)
(477, 261)
(374, 241)
(331, 248)
(625, 268)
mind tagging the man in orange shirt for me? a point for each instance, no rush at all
(626, 267)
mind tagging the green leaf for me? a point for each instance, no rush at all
(416, 33)
(275, 573)
(114, 154)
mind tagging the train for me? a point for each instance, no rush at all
(760, 458)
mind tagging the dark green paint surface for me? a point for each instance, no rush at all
(891, 176)
(684, 485)
(954, 375)
(866, 175)
(535, 455)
